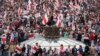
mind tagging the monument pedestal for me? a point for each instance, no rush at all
(51, 32)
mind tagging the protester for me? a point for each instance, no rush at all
(23, 50)
(93, 51)
(55, 52)
(50, 52)
(39, 51)
(74, 51)
(80, 50)
(87, 49)
(62, 50)
(98, 49)
(21, 20)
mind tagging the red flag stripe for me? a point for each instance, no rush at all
(18, 49)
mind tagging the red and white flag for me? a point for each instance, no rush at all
(29, 5)
(71, 6)
(73, 25)
(20, 11)
(12, 2)
(84, 36)
(5, 15)
(18, 49)
(56, 4)
(34, 49)
(58, 24)
(80, 1)
(45, 19)
(77, 6)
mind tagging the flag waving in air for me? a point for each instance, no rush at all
(73, 25)
(5, 15)
(72, 7)
(34, 48)
(20, 11)
(58, 24)
(45, 19)
(18, 49)
(29, 5)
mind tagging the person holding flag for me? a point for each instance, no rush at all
(18, 49)
(35, 49)
(3, 38)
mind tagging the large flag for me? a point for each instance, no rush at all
(20, 11)
(18, 49)
(45, 19)
(29, 5)
(58, 24)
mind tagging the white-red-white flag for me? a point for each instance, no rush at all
(18, 49)
(12, 2)
(5, 15)
(71, 6)
(34, 49)
(20, 11)
(58, 24)
(80, 1)
(73, 25)
(45, 19)
(19, 1)
(77, 6)
(29, 5)
(56, 4)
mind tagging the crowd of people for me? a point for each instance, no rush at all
(20, 20)
(36, 50)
